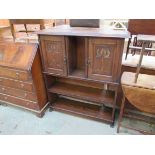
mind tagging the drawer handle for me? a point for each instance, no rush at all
(22, 85)
(17, 74)
(88, 62)
(0, 80)
(3, 89)
(105, 86)
(5, 98)
(27, 103)
(25, 94)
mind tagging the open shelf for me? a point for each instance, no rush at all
(76, 56)
(77, 73)
(85, 110)
(86, 93)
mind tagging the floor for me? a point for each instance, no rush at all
(16, 121)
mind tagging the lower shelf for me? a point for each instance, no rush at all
(83, 109)
(85, 93)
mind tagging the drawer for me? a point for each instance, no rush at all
(18, 93)
(19, 102)
(15, 74)
(26, 86)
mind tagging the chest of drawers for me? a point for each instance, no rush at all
(21, 80)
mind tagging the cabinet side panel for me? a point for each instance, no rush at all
(118, 63)
(39, 81)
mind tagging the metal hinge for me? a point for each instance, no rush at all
(88, 62)
(65, 60)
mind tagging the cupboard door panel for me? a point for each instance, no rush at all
(104, 59)
(54, 55)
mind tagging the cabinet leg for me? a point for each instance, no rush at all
(112, 124)
(113, 118)
(121, 113)
(113, 114)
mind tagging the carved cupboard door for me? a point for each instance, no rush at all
(54, 54)
(104, 59)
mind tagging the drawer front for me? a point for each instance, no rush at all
(26, 86)
(19, 102)
(18, 93)
(15, 74)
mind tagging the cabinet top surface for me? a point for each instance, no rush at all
(17, 55)
(66, 30)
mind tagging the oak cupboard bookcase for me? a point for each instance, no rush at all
(82, 68)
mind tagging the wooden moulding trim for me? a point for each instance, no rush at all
(83, 79)
(35, 50)
(25, 107)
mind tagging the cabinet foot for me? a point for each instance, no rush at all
(118, 130)
(112, 125)
(3, 104)
(40, 115)
(50, 108)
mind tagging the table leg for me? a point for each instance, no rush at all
(121, 113)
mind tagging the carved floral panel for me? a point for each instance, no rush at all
(54, 54)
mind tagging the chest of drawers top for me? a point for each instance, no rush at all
(17, 55)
